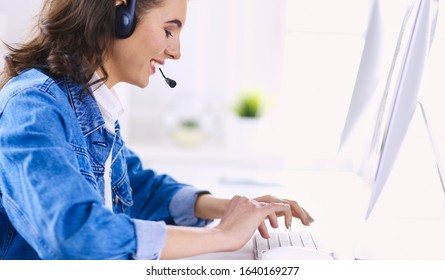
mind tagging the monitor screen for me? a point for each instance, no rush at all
(396, 101)
(400, 96)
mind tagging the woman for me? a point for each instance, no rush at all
(69, 187)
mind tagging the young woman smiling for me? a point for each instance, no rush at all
(69, 187)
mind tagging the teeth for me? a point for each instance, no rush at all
(155, 64)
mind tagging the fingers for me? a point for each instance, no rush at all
(288, 218)
(311, 220)
(253, 213)
(262, 229)
(287, 212)
(299, 213)
(272, 210)
(273, 220)
(244, 215)
(294, 210)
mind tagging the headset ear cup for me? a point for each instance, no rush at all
(125, 21)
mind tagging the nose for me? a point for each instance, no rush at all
(173, 51)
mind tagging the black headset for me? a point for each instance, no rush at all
(125, 19)
(125, 24)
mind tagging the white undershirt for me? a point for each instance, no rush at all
(111, 109)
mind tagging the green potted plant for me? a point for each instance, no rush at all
(189, 133)
(250, 104)
(245, 122)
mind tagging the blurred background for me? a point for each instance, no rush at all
(295, 61)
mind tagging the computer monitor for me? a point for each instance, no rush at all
(397, 96)
(383, 32)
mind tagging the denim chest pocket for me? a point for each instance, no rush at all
(122, 192)
(94, 173)
(85, 166)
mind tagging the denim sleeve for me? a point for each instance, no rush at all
(182, 207)
(147, 246)
(47, 199)
(160, 197)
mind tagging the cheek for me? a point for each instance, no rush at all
(149, 39)
(122, 54)
(129, 57)
(150, 46)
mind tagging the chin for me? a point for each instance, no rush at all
(142, 83)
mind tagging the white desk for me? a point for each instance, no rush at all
(297, 185)
(338, 202)
(407, 222)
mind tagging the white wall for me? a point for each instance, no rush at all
(226, 46)
(304, 54)
(15, 19)
(323, 48)
(283, 47)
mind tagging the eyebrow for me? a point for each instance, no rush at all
(176, 21)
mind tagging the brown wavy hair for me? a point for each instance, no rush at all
(72, 40)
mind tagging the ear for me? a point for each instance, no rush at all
(120, 2)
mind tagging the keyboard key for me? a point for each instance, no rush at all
(295, 239)
(273, 241)
(284, 239)
(259, 254)
(308, 242)
(261, 243)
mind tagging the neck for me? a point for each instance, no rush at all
(110, 82)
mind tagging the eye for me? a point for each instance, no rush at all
(168, 33)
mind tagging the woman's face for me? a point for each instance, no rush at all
(155, 39)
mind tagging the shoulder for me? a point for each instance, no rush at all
(29, 79)
(31, 83)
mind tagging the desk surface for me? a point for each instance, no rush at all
(338, 203)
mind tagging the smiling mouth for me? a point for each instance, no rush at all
(155, 64)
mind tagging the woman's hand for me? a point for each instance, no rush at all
(240, 218)
(294, 210)
(243, 216)
(210, 207)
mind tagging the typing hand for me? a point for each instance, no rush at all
(243, 216)
(294, 210)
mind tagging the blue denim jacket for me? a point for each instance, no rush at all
(53, 148)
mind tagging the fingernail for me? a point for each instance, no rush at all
(307, 222)
(311, 220)
(289, 225)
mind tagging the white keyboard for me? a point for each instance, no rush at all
(282, 239)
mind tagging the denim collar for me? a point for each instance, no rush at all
(108, 101)
(92, 124)
(86, 110)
